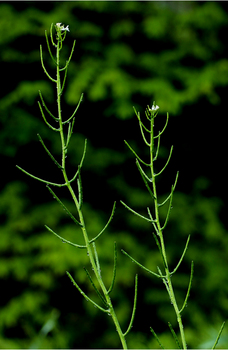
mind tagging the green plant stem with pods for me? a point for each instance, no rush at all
(90, 246)
(65, 130)
(154, 219)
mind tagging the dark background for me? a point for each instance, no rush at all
(127, 54)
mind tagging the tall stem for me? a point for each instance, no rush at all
(167, 279)
(81, 218)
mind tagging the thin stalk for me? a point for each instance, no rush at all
(78, 207)
(160, 234)
(89, 244)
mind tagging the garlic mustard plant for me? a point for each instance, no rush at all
(149, 178)
(65, 130)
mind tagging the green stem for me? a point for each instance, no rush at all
(167, 279)
(81, 218)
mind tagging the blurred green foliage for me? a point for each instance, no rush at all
(127, 53)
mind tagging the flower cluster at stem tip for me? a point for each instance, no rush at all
(58, 26)
(154, 108)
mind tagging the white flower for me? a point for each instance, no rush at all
(154, 108)
(58, 25)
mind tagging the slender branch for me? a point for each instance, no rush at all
(114, 269)
(81, 163)
(161, 132)
(65, 240)
(42, 63)
(49, 125)
(97, 291)
(182, 256)
(169, 209)
(80, 192)
(44, 105)
(49, 153)
(142, 126)
(219, 335)
(39, 179)
(72, 116)
(145, 180)
(170, 153)
(96, 259)
(174, 335)
(64, 207)
(173, 187)
(69, 59)
(64, 80)
(144, 174)
(142, 266)
(135, 212)
(70, 132)
(156, 337)
(160, 249)
(134, 307)
(154, 222)
(140, 122)
(51, 35)
(189, 287)
(136, 154)
(49, 47)
(84, 295)
(157, 150)
(102, 231)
